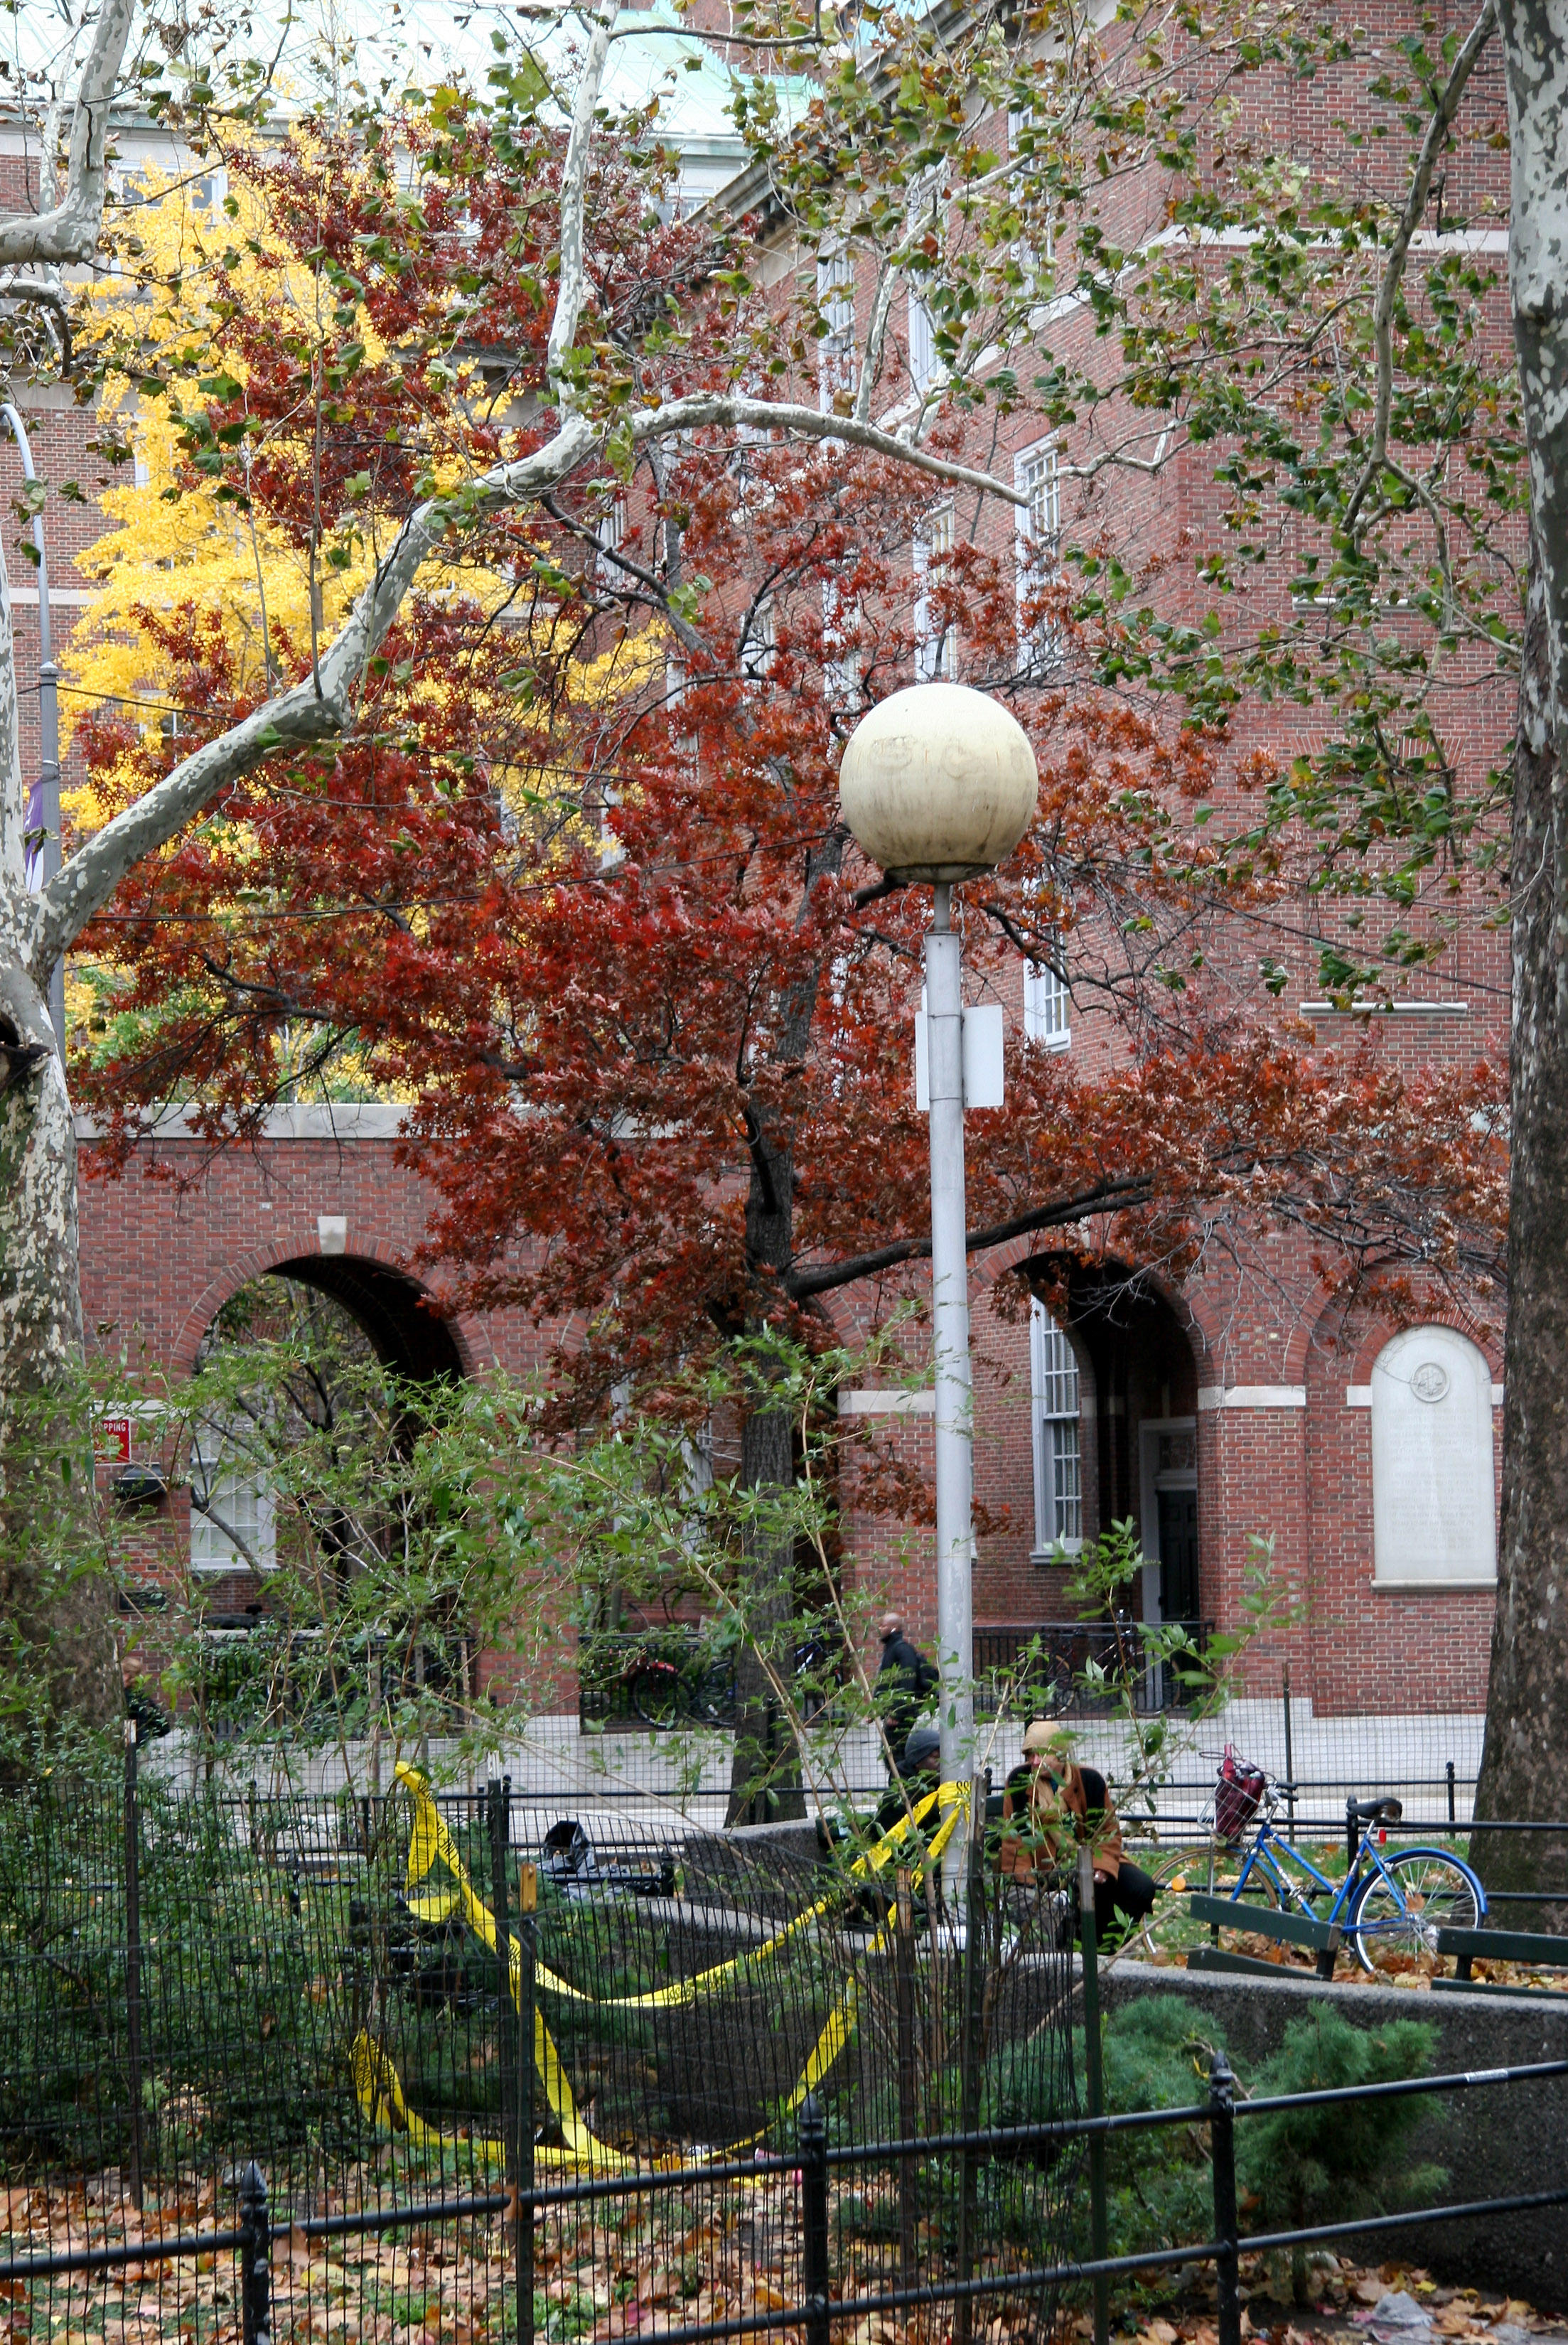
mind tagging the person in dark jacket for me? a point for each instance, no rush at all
(905, 1679)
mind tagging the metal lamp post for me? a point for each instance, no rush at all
(43, 831)
(938, 783)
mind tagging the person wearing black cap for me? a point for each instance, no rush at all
(904, 1678)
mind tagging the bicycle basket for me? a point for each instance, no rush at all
(1236, 1796)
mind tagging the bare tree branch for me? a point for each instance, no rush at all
(1432, 146)
(70, 231)
(1111, 1196)
(572, 281)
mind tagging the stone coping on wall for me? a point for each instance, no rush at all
(1495, 2141)
(337, 1120)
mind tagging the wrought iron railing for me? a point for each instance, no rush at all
(1027, 1668)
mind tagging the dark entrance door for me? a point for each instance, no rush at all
(1179, 1555)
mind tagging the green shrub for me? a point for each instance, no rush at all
(1303, 2166)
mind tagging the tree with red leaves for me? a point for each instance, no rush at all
(576, 886)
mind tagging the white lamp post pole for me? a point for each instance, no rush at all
(938, 783)
(954, 1451)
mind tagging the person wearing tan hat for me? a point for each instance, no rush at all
(1061, 1806)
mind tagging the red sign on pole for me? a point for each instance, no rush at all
(113, 1442)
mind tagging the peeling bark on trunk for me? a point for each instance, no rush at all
(55, 1608)
(1525, 1770)
(56, 1630)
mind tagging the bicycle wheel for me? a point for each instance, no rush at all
(656, 1697)
(1396, 1920)
(1167, 1924)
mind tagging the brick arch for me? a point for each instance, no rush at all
(1322, 1336)
(1194, 1314)
(1385, 1328)
(471, 1337)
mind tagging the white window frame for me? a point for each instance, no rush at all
(1055, 1415)
(611, 533)
(835, 367)
(212, 1552)
(936, 647)
(1047, 1007)
(925, 369)
(1037, 527)
(842, 678)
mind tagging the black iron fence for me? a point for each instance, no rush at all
(818, 2300)
(671, 1675)
(1078, 1667)
(414, 2012)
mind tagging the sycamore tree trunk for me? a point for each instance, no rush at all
(1525, 1769)
(765, 1773)
(58, 1652)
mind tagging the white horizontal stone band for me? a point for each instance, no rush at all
(322, 1119)
(1251, 1397)
(865, 1403)
(1360, 1396)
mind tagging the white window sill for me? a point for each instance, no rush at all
(1434, 1587)
(1044, 1556)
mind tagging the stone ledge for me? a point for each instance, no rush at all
(346, 1120)
(1495, 2141)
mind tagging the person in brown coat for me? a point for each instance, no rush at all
(1057, 1807)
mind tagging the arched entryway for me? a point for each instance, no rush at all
(1136, 1427)
(394, 1310)
(317, 1591)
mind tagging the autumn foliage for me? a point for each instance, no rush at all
(575, 888)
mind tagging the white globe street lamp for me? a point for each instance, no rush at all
(938, 783)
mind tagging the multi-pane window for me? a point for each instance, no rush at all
(611, 536)
(925, 366)
(1058, 1462)
(935, 642)
(1047, 1007)
(1034, 252)
(231, 1504)
(835, 349)
(1039, 521)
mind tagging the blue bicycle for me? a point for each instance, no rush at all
(1390, 1907)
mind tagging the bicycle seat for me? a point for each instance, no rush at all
(1386, 1810)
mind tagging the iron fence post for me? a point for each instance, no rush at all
(1289, 1768)
(255, 2259)
(1222, 2141)
(133, 1967)
(1094, 2067)
(1352, 1832)
(527, 1947)
(970, 2050)
(499, 1806)
(813, 2141)
(903, 1987)
(1450, 1813)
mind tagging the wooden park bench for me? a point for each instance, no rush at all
(1531, 1946)
(1262, 1922)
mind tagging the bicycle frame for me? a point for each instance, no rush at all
(1268, 1849)
(1261, 1855)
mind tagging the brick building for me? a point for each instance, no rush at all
(1236, 1404)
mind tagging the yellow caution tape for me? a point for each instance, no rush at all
(378, 2088)
(431, 1839)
